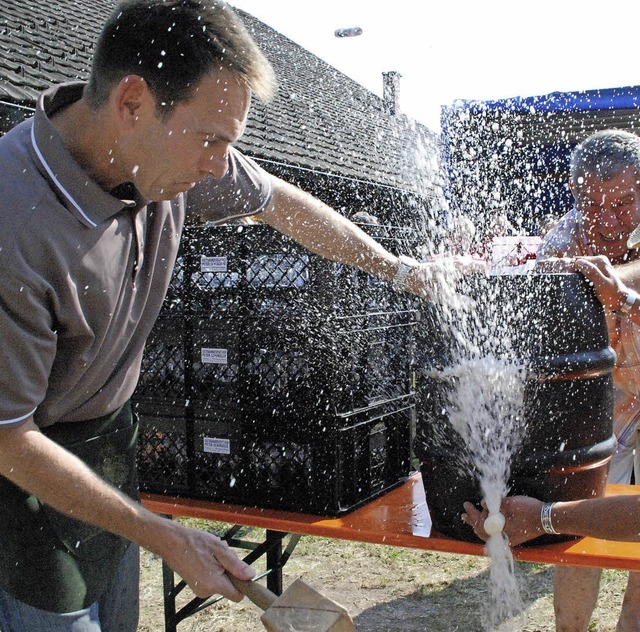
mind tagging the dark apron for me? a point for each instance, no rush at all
(51, 561)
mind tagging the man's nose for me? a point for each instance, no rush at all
(215, 162)
(609, 215)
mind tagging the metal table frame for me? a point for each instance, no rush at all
(398, 518)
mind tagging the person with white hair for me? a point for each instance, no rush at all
(605, 183)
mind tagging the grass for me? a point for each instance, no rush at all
(387, 589)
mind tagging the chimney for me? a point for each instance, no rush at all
(390, 91)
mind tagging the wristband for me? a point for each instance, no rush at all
(545, 519)
(629, 302)
(405, 266)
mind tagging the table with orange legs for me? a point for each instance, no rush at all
(397, 518)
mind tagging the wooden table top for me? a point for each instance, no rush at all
(401, 518)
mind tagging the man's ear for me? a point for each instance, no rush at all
(133, 101)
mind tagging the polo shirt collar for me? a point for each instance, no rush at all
(83, 197)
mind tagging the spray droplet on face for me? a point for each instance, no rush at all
(494, 524)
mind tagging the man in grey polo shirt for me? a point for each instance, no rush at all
(93, 199)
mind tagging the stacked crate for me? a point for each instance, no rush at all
(275, 377)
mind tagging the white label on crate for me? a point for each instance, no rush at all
(213, 264)
(217, 446)
(213, 356)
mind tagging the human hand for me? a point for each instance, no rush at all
(201, 559)
(467, 264)
(522, 519)
(608, 286)
(436, 279)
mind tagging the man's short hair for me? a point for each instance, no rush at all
(173, 45)
(604, 155)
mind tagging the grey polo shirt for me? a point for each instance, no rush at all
(84, 271)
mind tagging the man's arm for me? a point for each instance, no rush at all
(56, 477)
(611, 518)
(629, 274)
(608, 284)
(329, 234)
(326, 232)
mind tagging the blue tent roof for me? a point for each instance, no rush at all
(625, 98)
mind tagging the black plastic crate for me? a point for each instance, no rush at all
(163, 455)
(253, 270)
(388, 348)
(163, 369)
(173, 304)
(290, 366)
(261, 462)
(398, 240)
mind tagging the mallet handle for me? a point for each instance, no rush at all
(257, 593)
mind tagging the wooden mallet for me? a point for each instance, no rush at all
(300, 608)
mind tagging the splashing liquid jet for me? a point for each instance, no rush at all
(481, 391)
(485, 409)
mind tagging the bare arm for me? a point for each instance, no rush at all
(611, 518)
(610, 283)
(629, 274)
(329, 234)
(326, 232)
(59, 479)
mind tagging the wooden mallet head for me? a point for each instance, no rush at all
(300, 608)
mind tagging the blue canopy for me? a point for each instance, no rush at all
(625, 98)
